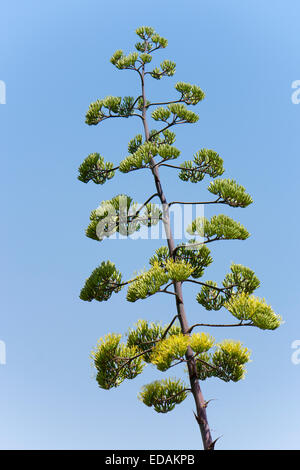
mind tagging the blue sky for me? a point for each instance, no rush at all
(55, 61)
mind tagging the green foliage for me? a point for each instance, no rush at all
(169, 350)
(161, 114)
(115, 215)
(190, 94)
(140, 103)
(151, 40)
(94, 114)
(93, 168)
(168, 137)
(103, 281)
(182, 114)
(179, 111)
(114, 105)
(194, 258)
(122, 61)
(245, 307)
(145, 335)
(241, 279)
(174, 348)
(163, 395)
(230, 192)
(126, 106)
(116, 56)
(145, 58)
(167, 69)
(135, 143)
(145, 32)
(151, 215)
(140, 158)
(197, 256)
(201, 342)
(115, 362)
(147, 283)
(204, 366)
(209, 297)
(120, 214)
(230, 357)
(168, 152)
(142, 153)
(160, 256)
(226, 363)
(206, 162)
(175, 270)
(178, 270)
(221, 226)
(159, 41)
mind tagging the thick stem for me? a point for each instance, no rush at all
(201, 415)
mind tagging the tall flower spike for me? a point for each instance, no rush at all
(171, 266)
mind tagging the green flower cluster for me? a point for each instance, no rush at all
(230, 192)
(140, 158)
(197, 256)
(147, 283)
(227, 362)
(174, 348)
(248, 307)
(206, 162)
(115, 105)
(93, 168)
(115, 362)
(122, 61)
(103, 281)
(141, 154)
(145, 335)
(209, 297)
(150, 282)
(240, 279)
(167, 69)
(163, 395)
(114, 215)
(152, 40)
(190, 94)
(220, 226)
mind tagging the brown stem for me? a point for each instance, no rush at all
(200, 403)
(216, 325)
(194, 203)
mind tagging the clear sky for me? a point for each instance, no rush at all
(54, 61)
